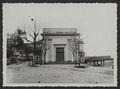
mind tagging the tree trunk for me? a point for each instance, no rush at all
(79, 60)
(74, 58)
(79, 64)
(34, 52)
(44, 55)
(44, 58)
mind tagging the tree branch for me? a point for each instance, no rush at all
(37, 34)
(27, 39)
(31, 35)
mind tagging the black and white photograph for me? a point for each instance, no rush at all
(59, 44)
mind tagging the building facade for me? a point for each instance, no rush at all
(58, 44)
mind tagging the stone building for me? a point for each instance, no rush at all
(58, 44)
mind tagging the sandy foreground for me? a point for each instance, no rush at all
(58, 73)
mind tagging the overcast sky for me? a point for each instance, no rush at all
(97, 21)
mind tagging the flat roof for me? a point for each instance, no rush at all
(59, 32)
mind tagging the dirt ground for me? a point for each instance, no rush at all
(58, 73)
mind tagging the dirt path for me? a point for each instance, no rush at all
(23, 73)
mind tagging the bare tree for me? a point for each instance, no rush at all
(45, 47)
(34, 36)
(73, 48)
(10, 44)
(15, 41)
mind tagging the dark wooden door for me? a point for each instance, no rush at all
(60, 54)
